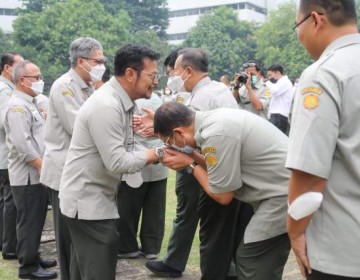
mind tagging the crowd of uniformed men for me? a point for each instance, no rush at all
(99, 153)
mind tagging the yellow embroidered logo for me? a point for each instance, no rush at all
(311, 101)
(267, 93)
(311, 89)
(180, 99)
(208, 150)
(68, 92)
(17, 110)
(211, 160)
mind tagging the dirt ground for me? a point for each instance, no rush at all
(135, 269)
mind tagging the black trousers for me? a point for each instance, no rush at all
(280, 121)
(147, 202)
(62, 236)
(8, 215)
(95, 248)
(221, 229)
(31, 204)
(317, 275)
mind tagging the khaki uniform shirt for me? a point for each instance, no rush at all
(24, 128)
(325, 141)
(246, 154)
(42, 102)
(6, 89)
(153, 172)
(264, 95)
(67, 94)
(208, 95)
(98, 155)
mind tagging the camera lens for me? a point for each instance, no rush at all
(242, 78)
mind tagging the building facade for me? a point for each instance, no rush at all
(183, 14)
(8, 14)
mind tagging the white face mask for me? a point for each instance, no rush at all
(96, 72)
(37, 87)
(176, 83)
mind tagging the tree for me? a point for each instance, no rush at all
(36, 5)
(145, 14)
(278, 43)
(45, 37)
(5, 43)
(229, 41)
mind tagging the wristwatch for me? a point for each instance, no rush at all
(190, 168)
(159, 152)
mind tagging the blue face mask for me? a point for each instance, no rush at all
(254, 79)
(186, 149)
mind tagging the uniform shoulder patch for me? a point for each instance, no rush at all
(208, 150)
(267, 93)
(17, 110)
(311, 101)
(180, 99)
(312, 90)
(68, 92)
(211, 160)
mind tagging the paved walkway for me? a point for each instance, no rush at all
(135, 269)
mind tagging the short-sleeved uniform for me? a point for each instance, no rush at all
(7, 206)
(246, 154)
(215, 251)
(325, 141)
(147, 201)
(24, 127)
(96, 160)
(264, 95)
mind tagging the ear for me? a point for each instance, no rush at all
(130, 75)
(318, 20)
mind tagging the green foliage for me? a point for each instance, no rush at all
(36, 5)
(5, 42)
(45, 37)
(145, 14)
(228, 41)
(278, 43)
(357, 3)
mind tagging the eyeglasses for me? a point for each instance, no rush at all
(97, 60)
(38, 77)
(296, 25)
(154, 77)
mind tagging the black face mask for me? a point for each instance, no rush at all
(273, 80)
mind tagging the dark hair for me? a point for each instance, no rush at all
(8, 58)
(132, 56)
(172, 115)
(275, 68)
(339, 12)
(194, 58)
(171, 58)
(106, 76)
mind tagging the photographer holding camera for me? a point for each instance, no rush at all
(250, 91)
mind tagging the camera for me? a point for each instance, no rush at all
(242, 78)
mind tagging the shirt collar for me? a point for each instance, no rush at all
(7, 82)
(341, 42)
(122, 94)
(73, 74)
(24, 96)
(201, 83)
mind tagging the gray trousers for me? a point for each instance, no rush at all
(95, 247)
(62, 236)
(264, 259)
(31, 204)
(8, 215)
(147, 201)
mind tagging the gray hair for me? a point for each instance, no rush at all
(83, 47)
(20, 70)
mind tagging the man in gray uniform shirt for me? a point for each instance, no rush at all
(67, 94)
(243, 157)
(217, 222)
(97, 158)
(24, 128)
(7, 206)
(324, 150)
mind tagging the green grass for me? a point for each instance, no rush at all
(9, 269)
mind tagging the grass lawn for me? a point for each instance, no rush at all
(9, 269)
